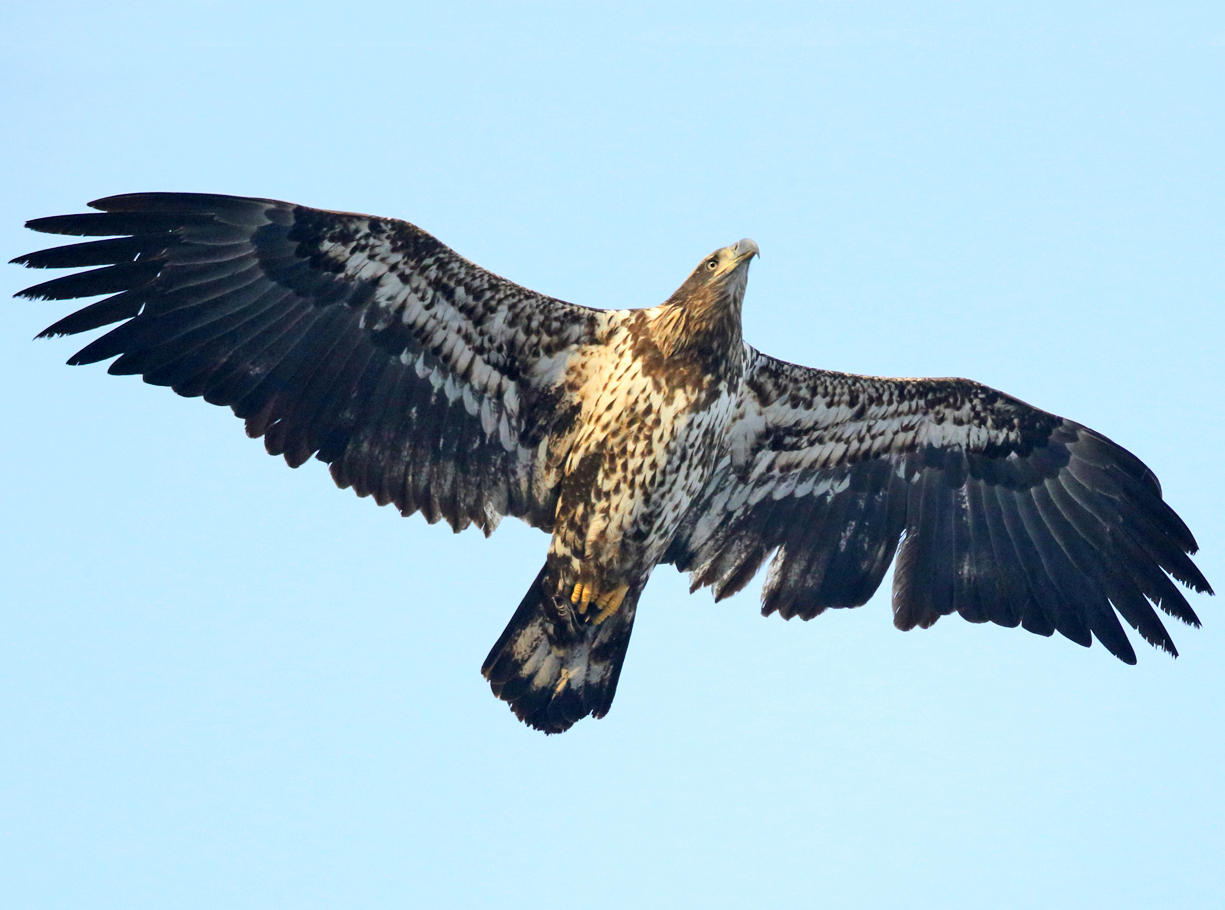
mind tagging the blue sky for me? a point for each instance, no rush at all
(227, 684)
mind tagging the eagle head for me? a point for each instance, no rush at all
(721, 265)
(720, 278)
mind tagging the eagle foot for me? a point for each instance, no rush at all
(607, 602)
(581, 597)
(610, 602)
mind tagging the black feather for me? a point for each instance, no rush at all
(94, 252)
(107, 280)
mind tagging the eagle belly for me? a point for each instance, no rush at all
(644, 448)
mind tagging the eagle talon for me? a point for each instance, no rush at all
(582, 596)
(610, 602)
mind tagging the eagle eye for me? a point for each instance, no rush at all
(712, 263)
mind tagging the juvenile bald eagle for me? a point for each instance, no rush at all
(634, 437)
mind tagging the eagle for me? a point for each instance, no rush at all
(633, 437)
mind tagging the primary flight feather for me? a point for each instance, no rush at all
(634, 437)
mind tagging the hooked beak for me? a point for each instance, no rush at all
(746, 249)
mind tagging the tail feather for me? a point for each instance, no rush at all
(555, 668)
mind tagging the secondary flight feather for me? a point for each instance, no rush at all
(633, 437)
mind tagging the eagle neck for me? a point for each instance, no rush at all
(702, 335)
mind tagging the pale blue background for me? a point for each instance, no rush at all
(224, 684)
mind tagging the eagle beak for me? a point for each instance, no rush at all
(746, 249)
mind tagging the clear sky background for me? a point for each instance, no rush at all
(227, 684)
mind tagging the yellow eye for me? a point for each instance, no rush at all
(712, 263)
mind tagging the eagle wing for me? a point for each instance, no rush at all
(1004, 512)
(420, 378)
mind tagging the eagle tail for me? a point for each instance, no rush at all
(554, 667)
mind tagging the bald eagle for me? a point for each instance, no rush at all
(633, 437)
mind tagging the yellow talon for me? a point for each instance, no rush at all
(582, 596)
(609, 602)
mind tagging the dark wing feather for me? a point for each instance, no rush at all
(995, 510)
(420, 378)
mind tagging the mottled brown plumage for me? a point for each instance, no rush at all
(634, 437)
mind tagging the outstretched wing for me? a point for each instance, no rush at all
(420, 378)
(1005, 513)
